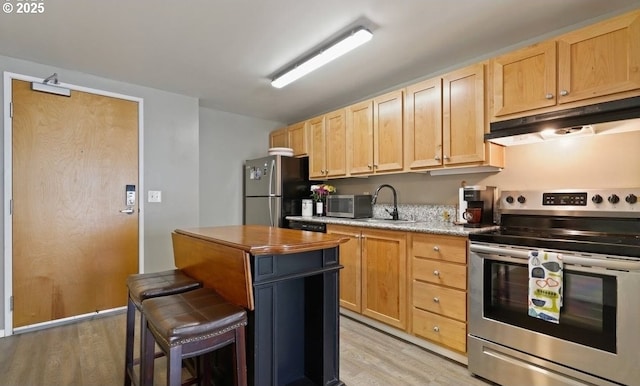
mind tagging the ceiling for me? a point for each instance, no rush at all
(224, 52)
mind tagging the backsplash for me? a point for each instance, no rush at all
(415, 212)
(600, 161)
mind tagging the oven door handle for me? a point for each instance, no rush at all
(622, 265)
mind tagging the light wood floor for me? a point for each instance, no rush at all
(91, 352)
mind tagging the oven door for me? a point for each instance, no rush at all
(598, 319)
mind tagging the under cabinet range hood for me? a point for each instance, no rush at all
(599, 118)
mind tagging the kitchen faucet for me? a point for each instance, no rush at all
(394, 213)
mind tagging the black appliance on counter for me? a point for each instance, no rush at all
(308, 226)
(597, 233)
(479, 199)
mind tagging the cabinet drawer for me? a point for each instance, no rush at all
(440, 300)
(448, 248)
(439, 272)
(441, 330)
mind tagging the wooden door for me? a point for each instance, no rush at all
(384, 277)
(351, 274)
(600, 60)
(463, 115)
(72, 159)
(336, 140)
(388, 132)
(423, 125)
(360, 138)
(317, 160)
(524, 79)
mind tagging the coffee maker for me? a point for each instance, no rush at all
(477, 204)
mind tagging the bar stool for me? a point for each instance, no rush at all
(193, 324)
(140, 288)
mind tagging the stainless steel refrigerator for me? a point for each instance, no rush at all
(274, 187)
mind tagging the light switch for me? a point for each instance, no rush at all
(155, 196)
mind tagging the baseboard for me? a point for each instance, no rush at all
(71, 319)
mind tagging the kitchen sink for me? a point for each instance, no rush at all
(385, 220)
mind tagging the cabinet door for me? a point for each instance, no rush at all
(524, 79)
(599, 60)
(350, 275)
(384, 279)
(298, 138)
(279, 138)
(423, 125)
(388, 132)
(360, 138)
(317, 160)
(336, 140)
(463, 115)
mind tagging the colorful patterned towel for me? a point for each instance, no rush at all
(545, 285)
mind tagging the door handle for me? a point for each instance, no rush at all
(128, 211)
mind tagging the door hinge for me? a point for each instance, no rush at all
(10, 109)
(11, 207)
(11, 303)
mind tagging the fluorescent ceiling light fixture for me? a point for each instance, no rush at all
(323, 56)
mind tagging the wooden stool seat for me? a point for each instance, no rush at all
(192, 324)
(147, 286)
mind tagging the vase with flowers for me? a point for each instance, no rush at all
(319, 194)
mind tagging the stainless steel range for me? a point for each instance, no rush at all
(596, 340)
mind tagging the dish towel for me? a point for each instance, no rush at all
(545, 285)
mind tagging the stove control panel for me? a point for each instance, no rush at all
(564, 199)
(623, 201)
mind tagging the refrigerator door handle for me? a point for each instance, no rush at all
(271, 194)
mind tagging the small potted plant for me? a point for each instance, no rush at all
(319, 194)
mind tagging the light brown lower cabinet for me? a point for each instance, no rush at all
(415, 282)
(373, 281)
(439, 289)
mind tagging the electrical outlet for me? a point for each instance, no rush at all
(155, 196)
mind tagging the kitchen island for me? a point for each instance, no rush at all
(288, 282)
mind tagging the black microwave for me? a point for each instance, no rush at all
(349, 205)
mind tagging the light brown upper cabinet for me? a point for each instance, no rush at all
(279, 138)
(423, 125)
(594, 64)
(327, 146)
(463, 116)
(525, 79)
(375, 135)
(445, 122)
(298, 138)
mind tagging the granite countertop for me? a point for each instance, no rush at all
(435, 226)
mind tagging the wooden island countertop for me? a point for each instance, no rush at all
(264, 240)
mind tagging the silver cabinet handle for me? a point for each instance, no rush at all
(436, 300)
(436, 248)
(564, 92)
(128, 211)
(436, 329)
(437, 158)
(436, 273)
(549, 96)
(369, 166)
(446, 158)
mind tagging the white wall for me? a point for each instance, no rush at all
(226, 140)
(170, 158)
(602, 161)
